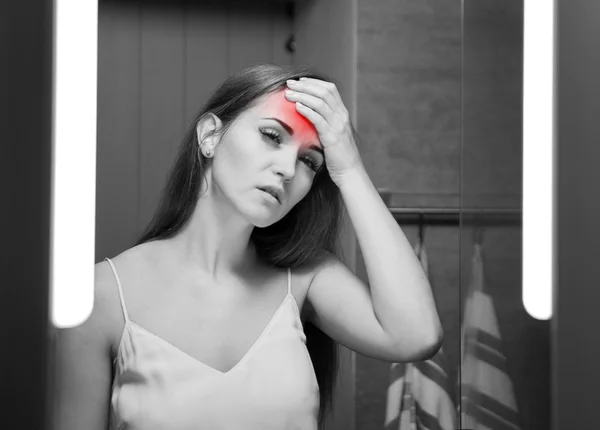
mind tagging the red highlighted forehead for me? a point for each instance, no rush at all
(276, 105)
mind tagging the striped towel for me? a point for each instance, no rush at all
(487, 396)
(418, 395)
(434, 402)
(400, 408)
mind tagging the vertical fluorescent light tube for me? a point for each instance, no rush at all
(538, 148)
(74, 162)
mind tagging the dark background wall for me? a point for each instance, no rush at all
(575, 347)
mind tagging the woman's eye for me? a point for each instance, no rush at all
(271, 134)
(276, 137)
(314, 166)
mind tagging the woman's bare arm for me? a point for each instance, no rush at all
(83, 363)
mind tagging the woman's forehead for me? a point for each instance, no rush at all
(276, 106)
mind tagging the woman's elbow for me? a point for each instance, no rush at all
(432, 345)
(422, 349)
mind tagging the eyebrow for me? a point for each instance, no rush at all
(291, 133)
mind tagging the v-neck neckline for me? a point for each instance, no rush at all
(245, 357)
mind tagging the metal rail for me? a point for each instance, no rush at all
(456, 216)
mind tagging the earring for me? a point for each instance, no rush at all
(207, 152)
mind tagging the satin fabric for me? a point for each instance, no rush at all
(158, 386)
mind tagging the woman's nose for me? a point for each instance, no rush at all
(286, 164)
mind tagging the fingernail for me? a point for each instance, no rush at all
(291, 82)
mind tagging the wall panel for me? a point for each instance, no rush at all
(206, 53)
(117, 184)
(161, 116)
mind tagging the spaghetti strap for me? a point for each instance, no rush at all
(289, 281)
(120, 289)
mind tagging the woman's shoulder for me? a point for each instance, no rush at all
(321, 259)
(106, 278)
(107, 301)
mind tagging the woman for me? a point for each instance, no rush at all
(192, 328)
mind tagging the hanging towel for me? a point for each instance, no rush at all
(400, 407)
(487, 396)
(419, 397)
(435, 408)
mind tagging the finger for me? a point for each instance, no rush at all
(314, 117)
(329, 86)
(315, 103)
(319, 90)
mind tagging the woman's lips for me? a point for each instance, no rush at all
(269, 196)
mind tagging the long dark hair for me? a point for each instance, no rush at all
(311, 226)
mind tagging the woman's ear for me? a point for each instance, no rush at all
(207, 129)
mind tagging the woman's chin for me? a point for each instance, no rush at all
(264, 222)
(262, 219)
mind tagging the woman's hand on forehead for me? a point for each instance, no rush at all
(320, 103)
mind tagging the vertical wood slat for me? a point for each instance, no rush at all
(281, 30)
(162, 99)
(117, 186)
(207, 58)
(250, 34)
